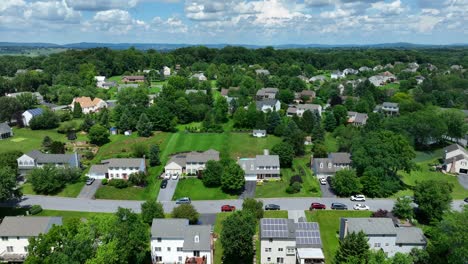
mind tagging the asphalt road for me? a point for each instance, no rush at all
(167, 193)
(203, 207)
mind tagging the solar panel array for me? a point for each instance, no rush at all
(35, 111)
(307, 226)
(274, 228)
(307, 233)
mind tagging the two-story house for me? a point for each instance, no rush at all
(324, 167)
(175, 241)
(382, 234)
(117, 168)
(456, 159)
(166, 71)
(15, 232)
(266, 93)
(30, 114)
(88, 105)
(388, 108)
(337, 75)
(36, 159)
(100, 80)
(299, 109)
(262, 167)
(191, 163)
(268, 105)
(357, 119)
(286, 241)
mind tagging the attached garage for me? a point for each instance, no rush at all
(173, 168)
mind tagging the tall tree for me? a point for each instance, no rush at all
(433, 198)
(212, 173)
(456, 124)
(353, 249)
(8, 185)
(273, 120)
(153, 155)
(346, 183)
(77, 110)
(27, 100)
(253, 206)
(403, 208)
(150, 210)
(98, 135)
(285, 152)
(186, 211)
(144, 126)
(9, 106)
(221, 109)
(233, 179)
(125, 122)
(236, 237)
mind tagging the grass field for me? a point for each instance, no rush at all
(195, 189)
(331, 143)
(70, 214)
(25, 139)
(394, 86)
(70, 190)
(310, 185)
(329, 223)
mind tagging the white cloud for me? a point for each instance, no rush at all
(114, 21)
(171, 25)
(87, 5)
(8, 4)
(392, 8)
(52, 11)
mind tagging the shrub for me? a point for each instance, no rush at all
(138, 179)
(295, 178)
(35, 209)
(89, 155)
(119, 183)
(380, 213)
(104, 181)
(294, 188)
(186, 211)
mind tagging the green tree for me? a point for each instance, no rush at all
(253, 206)
(138, 178)
(45, 180)
(144, 126)
(236, 237)
(9, 159)
(433, 198)
(46, 120)
(77, 110)
(150, 210)
(221, 109)
(46, 142)
(329, 122)
(57, 147)
(212, 173)
(456, 124)
(27, 100)
(341, 115)
(403, 208)
(186, 211)
(153, 155)
(308, 122)
(9, 106)
(320, 150)
(285, 152)
(139, 150)
(98, 135)
(233, 180)
(88, 122)
(353, 249)
(273, 120)
(346, 183)
(125, 122)
(8, 185)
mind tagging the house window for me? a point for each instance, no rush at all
(271, 240)
(157, 249)
(196, 239)
(386, 244)
(267, 249)
(279, 260)
(280, 249)
(180, 258)
(18, 238)
(196, 253)
(268, 259)
(159, 239)
(179, 249)
(329, 165)
(158, 259)
(168, 248)
(9, 249)
(25, 249)
(376, 244)
(321, 164)
(4, 238)
(291, 251)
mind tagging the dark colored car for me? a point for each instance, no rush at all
(466, 200)
(317, 206)
(228, 208)
(272, 207)
(164, 184)
(339, 206)
(89, 181)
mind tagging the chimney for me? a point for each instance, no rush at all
(266, 152)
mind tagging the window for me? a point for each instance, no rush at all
(329, 165)
(18, 238)
(157, 249)
(271, 239)
(386, 244)
(179, 249)
(291, 251)
(180, 258)
(158, 259)
(280, 249)
(321, 164)
(25, 249)
(196, 239)
(159, 239)
(4, 238)
(196, 253)
(267, 249)
(279, 260)
(268, 259)
(168, 248)
(376, 244)
(9, 249)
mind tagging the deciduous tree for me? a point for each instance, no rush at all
(98, 135)
(212, 173)
(186, 211)
(353, 249)
(236, 237)
(150, 210)
(433, 198)
(346, 183)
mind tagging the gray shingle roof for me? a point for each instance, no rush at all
(204, 237)
(340, 157)
(203, 156)
(389, 104)
(267, 160)
(180, 229)
(268, 102)
(5, 128)
(267, 91)
(127, 162)
(370, 226)
(27, 226)
(248, 165)
(71, 159)
(98, 169)
(410, 235)
(454, 147)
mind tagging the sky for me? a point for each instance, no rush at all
(258, 22)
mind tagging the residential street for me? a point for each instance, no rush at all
(203, 207)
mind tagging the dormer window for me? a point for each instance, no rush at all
(321, 164)
(196, 239)
(329, 165)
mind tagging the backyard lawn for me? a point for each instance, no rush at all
(70, 190)
(25, 139)
(194, 188)
(329, 223)
(331, 143)
(310, 185)
(71, 214)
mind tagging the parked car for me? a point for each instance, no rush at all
(183, 200)
(89, 181)
(167, 176)
(228, 208)
(175, 176)
(339, 206)
(323, 181)
(164, 184)
(361, 207)
(272, 207)
(317, 206)
(466, 200)
(358, 197)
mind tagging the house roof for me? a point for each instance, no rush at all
(389, 104)
(248, 165)
(72, 159)
(368, 225)
(98, 169)
(180, 229)
(310, 107)
(267, 91)
(189, 91)
(266, 102)
(340, 157)
(5, 128)
(307, 93)
(134, 77)
(259, 131)
(457, 158)
(224, 92)
(355, 117)
(210, 154)
(169, 228)
(86, 102)
(180, 160)
(35, 111)
(30, 226)
(262, 71)
(410, 235)
(454, 147)
(267, 160)
(204, 238)
(123, 162)
(306, 234)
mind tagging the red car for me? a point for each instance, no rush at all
(317, 206)
(228, 208)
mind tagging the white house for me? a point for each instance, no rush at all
(100, 80)
(29, 114)
(89, 105)
(286, 241)
(337, 75)
(15, 232)
(262, 167)
(199, 76)
(175, 241)
(259, 133)
(266, 105)
(299, 109)
(350, 71)
(383, 235)
(117, 168)
(36, 159)
(456, 159)
(166, 71)
(191, 163)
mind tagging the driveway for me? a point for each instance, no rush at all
(249, 190)
(327, 191)
(463, 180)
(167, 193)
(88, 191)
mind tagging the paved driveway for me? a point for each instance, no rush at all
(327, 191)
(463, 180)
(249, 190)
(88, 191)
(167, 193)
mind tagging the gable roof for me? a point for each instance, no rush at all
(124, 162)
(72, 159)
(259, 131)
(5, 128)
(180, 229)
(267, 160)
(340, 157)
(134, 77)
(30, 226)
(210, 154)
(410, 235)
(305, 234)
(454, 147)
(389, 104)
(368, 225)
(266, 102)
(35, 111)
(267, 91)
(86, 102)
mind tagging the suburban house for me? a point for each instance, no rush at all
(364, 69)
(383, 235)
(388, 66)
(301, 108)
(382, 79)
(357, 119)
(15, 232)
(268, 105)
(88, 105)
(175, 241)
(136, 78)
(324, 167)
(285, 241)
(267, 93)
(166, 71)
(350, 71)
(378, 68)
(419, 79)
(190, 91)
(259, 133)
(320, 78)
(199, 76)
(305, 96)
(337, 75)
(36, 159)
(5, 131)
(388, 108)
(100, 80)
(262, 167)
(117, 168)
(456, 159)
(303, 78)
(191, 163)
(29, 114)
(262, 72)
(39, 97)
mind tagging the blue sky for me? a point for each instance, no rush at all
(261, 22)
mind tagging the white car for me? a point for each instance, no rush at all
(323, 181)
(361, 207)
(167, 176)
(175, 176)
(359, 198)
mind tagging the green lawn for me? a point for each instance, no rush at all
(117, 78)
(25, 139)
(70, 190)
(310, 185)
(394, 86)
(329, 222)
(70, 214)
(194, 188)
(275, 214)
(331, 143)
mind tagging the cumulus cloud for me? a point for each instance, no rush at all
(170, 25)
(392, 8)
(52, 11)
(87, 5)
(114, 21)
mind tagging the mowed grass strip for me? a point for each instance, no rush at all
(70, 190)
(194, 188)
(25, 139)
(329, 223)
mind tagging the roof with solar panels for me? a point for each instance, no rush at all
(306, 234)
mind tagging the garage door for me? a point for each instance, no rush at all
(251, 177)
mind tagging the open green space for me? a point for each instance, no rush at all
(117, 78)
(70, 190)
(194, 188)
(331, 143)
(329, 223)
(25, 139)
(70, 214)
(394, 86)
(310, 185)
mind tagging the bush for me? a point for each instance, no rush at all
(380, 213)
(35, 209)
(89, 155)
(186, 211)
(104, 181)
(253, 206)
(119, 183)
(138, 178)
(295, 178)
(294, 188)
